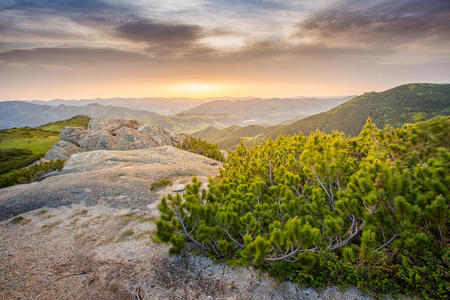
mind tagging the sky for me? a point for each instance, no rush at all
(74, 49)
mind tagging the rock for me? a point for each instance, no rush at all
(160, 135)
(121, 179)
(112, 134)
(129, 139)
(72, 134)
(111, 124)
(224, 153)
(97, 140)
(62, 150)
(178, 189)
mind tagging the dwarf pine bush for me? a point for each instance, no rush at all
(370, 211)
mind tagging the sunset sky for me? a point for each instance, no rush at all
(194, 48)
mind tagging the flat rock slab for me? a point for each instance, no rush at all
(119, 179)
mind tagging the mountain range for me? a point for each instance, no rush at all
(269, 111)
(189, 116)
(396, 106)
(20, 114)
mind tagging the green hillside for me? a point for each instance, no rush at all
(403, 104)
(20, 147)
(395, 107)
(189, 123)
(229, 137)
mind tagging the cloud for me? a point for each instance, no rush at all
(160, 35)
(379, 23)
(70, 56)
(60, 6)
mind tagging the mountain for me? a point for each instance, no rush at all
(19, 113)
(397, 106)
(229, 137)
(164, 106)
(269, 111)
(189, 123)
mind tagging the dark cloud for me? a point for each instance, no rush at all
(160, 35)
(379, 23)
(60, 6)
(70, 56)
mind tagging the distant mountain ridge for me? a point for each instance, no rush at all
(395, 106)
(181, 114)
(20, 114)
(165, 106)
(269, 111)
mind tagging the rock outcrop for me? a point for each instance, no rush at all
(111, 134)
(115, 178)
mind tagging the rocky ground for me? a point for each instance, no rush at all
(86, 233)
(120, 179)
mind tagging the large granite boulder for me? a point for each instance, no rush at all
(62, 150)
(128, 139)
(97, 140)
(111, 124)
(160, 135)
(111, 134)
(72, 134)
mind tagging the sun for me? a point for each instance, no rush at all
(195, 89)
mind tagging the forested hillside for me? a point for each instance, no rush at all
(229, 137)
(20, 147)
(370, 211)
(397, 106)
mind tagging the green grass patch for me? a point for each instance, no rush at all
(51, 225)
(20, 147)
(127, 233)
(79, 213)
(127, 218)
(160, 183)
(27, 175)
(145, 220)
(41, 212)
(20, 220)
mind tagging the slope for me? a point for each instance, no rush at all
(269, 111)
(396, 106)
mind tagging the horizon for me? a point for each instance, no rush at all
(213, 49)
(218, 98)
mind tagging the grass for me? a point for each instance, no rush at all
(22, 146)
(77, 121)
(144, 220)
(37, 145)
(127, 233)
(160, 183)
(20, 220)
(127, 218)
(51, 225)
(79, 213)
(46, 217)
(41, 212)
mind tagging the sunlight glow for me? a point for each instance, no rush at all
(195, 89)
